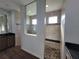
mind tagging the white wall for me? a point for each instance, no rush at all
(62, 35)
(13, 21)
(72, 21)
(53, 32)
(34, 44)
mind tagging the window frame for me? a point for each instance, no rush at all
(51, 23)
(32, 20)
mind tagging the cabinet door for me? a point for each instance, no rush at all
(3, 43)
(11, 41)
(0, 43)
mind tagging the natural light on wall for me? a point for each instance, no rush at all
(53, 20)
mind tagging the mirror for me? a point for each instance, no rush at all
(3, 24)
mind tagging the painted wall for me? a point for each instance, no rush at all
(62, 35)
(34, 44)
(72, 21)
(13, 21)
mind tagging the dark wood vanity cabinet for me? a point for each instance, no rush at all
(7, 41)
(3, 43)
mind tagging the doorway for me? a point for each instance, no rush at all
(53, 39)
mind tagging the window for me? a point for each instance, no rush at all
(53, 20)
(31, 21)
(34, 21)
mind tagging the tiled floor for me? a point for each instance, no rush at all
(52, 50)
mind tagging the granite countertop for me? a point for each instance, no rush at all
(74, 49)
(7, 34)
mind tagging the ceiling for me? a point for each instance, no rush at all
(23, 2)
(52, 5)
(15, 4)
(9, 5)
